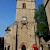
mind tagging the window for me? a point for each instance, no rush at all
(24, 5)
(5, 48)
(9, 47)
(23, 47)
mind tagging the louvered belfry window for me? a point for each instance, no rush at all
(24, 6)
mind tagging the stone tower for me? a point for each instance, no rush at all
(24, 16)
(21, 35)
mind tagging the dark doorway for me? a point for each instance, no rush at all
(5, 48)
(9, 47)
(23, 47)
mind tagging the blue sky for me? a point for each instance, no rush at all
(8, 13)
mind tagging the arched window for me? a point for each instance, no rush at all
(5, 48)
(9, 47)
(23, 47)
(24, 5)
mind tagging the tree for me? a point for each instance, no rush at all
(41, 20)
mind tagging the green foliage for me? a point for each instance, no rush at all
(41, 20)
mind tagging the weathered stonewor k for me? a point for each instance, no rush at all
(21, 35)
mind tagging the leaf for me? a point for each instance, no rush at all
(41, 20)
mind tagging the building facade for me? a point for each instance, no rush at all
(21, 35)
(1, 43)
(47, 8)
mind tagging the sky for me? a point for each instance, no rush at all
(8, 13)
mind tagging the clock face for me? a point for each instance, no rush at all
(24, 18)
